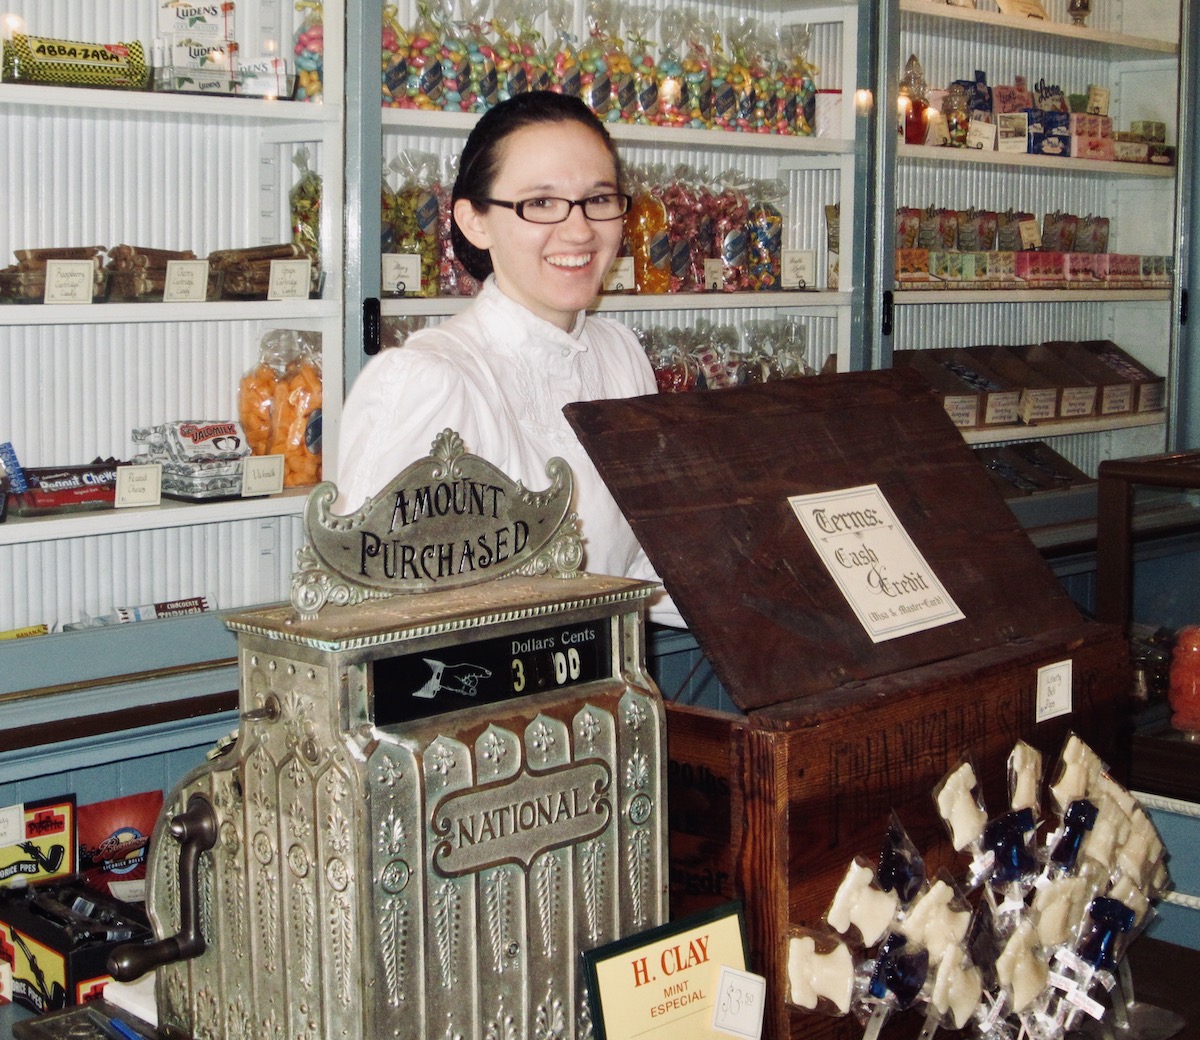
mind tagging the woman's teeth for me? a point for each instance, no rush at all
(570, 261)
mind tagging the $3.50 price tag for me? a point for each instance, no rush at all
(741, 998)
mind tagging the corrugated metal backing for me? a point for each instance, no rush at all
(232, 564)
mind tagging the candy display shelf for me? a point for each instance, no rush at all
(1065, 427)
(966, 23)
(18, 530)
(1027, 295)
(18, 314)
(1068, 167)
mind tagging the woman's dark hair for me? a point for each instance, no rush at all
(480, 159)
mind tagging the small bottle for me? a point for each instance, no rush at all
(957, 111)
(1184, 692)
(914, 102)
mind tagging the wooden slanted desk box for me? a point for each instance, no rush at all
(835, 730)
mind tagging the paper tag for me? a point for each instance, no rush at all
(129, 891)
(289, 280)
(69, 281)
(620, 275)
(741, 1000)
(1022, 8)
(139, 485)
(1053, 690)
(1031, 234)
(1098, 100)
(12, 825)
(5, 982)
(714, 274)
(186, 281)
(401, 273)
(798, 269)
(262, 475)
(981, 135)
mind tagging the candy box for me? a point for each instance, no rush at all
(1029, 468)
(1083, 267)
(197, 19)
(67, 489)
(1125, 150)
(113, 838)
(1049, 132)
(1039, 393)
(45, 849)
(912, 265)
(1161, 154)
(960, 400)
(1116, 392)
(820, 732)
(1149, 389)
(1041, 269)
(1150, 130)
(1124, 269)
(1100, 149)
(999, 398)
(1077, 395)
(58, 937)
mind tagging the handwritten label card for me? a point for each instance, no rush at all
(12, 825)
(70, 281)
(798, 269)
(262, 475)
(874, 562)
(289, 280)
(1022, 8)
(139, 485)
(620, 275)
(741, 1001)
(186, 281)
(401, 273)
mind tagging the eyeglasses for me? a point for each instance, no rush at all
(550, 210)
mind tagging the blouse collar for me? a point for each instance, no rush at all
(518, 324)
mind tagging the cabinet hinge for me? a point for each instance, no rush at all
(370, 325)
(887, 313)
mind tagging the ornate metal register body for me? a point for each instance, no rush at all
(432, 804)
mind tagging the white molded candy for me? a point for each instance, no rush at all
(934, 924)
(1125, 891)
(1020, 970)
(858, 902)
(812, 975)
(958, 806)
(957, 988)
(1059, 907)
(1080, 768)
(1025, 776)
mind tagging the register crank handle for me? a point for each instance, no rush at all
(196, 832)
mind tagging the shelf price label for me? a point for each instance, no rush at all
(620, 275)
(401, 273)
(798, 269)
(186, 281)
(70, 281)
(289, 280)
(139, 485)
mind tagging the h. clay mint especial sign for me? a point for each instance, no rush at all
(874, 562)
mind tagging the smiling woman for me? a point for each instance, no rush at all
(537, 210)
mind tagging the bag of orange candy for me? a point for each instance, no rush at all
(279, 404)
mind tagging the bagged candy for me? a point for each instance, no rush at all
(595, 84)
(646, 231)
(764, 236)
(673, 103)
(415, 222)
(566, 74)
(483, 78)
(799, 100)
(697, 70)
(423, 64)
(305, 202)
(638, 19)
(279, 404)
(455, 55)
(309, 49)
(393, 60)
(729, 234)
(453, 278)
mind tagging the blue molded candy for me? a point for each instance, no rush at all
(1077, 821)
(1005, 836)
(1110, 920)
(902, 974)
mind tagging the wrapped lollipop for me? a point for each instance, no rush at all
(638, 20)
(1078, 768)
(1021, 969)
(937, 919)
(960, 805)
(861, 909)
(901, 867)
(955, 996)
(897, 978)
(565, 71)
(820, 972)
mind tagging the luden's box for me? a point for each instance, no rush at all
(769, 804)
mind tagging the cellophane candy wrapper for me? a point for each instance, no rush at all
(674, 369)
(820, 972)
(481, 54)
(566, 73)
(647, 233)
(764, 236)
(457, 95)
(309, 49)
(798, 102)
(305, 202)
(638, 20)
(415, 217)
(279, 404)
(697, 69)
(453, 278)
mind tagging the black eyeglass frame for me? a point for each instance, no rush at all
(519, 207)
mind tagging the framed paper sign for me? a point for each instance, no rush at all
(663, 984)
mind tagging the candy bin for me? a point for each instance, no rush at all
(415, 220)
(424, 87)
(764, 236)
(914, 102)
(830, 731)
(393, 60)
(958, 115)
(484, 87)
(646, 231)
(1184, 691)
(309, 48)
(673, 105)
(566, 75)
(638, 19)
(697, 70)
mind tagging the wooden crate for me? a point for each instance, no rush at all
(770, 803)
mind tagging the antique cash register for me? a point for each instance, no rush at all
(448, 780)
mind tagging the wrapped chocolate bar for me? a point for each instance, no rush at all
(66, 489)
(69, 63)
(201, 459)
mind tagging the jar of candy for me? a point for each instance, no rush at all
(1184, 691)
(956, 109)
